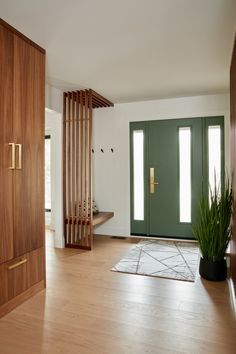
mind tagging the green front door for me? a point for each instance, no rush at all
(169, 174)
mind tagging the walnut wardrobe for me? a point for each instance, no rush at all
(22, 107)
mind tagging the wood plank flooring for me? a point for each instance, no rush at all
(87, 309)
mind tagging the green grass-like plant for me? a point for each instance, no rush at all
(213, 231)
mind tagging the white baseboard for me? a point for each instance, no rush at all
(232, 291)
(114, 231)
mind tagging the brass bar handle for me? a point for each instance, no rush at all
(19, 157)
(23, 261)
(152, 180)
(13, 156)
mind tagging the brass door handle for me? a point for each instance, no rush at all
(19, 167)
(152, 180)
(13, 156)
(23, 261)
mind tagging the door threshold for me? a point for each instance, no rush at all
(163, 238)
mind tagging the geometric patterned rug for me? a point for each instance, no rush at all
(165, 259)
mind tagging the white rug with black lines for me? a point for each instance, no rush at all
(165, 259)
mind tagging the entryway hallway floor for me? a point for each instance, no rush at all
(88, 309)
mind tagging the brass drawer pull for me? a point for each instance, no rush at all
(23, 261)
(19, 146)
(13, 158)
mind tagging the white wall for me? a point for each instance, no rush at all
(54, 98)
(111, 130)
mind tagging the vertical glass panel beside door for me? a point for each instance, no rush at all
(214, 158)
(214, 162)
(185, 174)
(138, 174)
(138, 178)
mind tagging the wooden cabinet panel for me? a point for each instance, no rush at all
(36, 266)
(21, 273)
(233, 158)
(22, 107)
(28, 112)
(6, 175)
(3, 285)
(16, 272)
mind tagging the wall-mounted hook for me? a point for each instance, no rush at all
(92, 151)
(112, 150)
(102, 151)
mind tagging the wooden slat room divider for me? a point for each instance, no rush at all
(77, 166)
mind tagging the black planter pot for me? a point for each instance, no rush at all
(215, 271)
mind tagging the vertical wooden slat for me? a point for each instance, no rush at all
(85, 165)
(69, 169)
(65, 215)
(77, 168)
(81, 169)
(73, 168)
(90, 171)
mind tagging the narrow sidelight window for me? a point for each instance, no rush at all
(138, 173)
(214, 157)
(185, 174)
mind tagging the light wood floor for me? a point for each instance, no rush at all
(86, 308)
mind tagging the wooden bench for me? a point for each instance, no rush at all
(98, 218)
(102, 217)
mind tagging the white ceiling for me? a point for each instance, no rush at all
(131, 50)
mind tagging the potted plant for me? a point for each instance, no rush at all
(213, 232)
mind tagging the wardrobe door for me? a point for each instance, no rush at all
(6, 150)
(28, 112)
